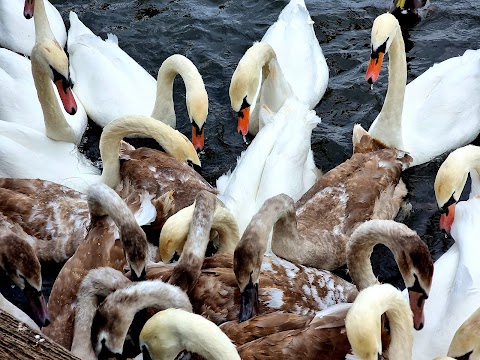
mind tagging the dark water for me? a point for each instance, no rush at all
(215, 34)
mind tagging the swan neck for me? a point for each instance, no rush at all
(194, 337)
(278, 213)
(390, 125)
(99, 282)
(56, 126)
(42, 26)
(186, 272)
(164, 105)
(117, 130)
(400, 318)
(226, 226)
(360, 247)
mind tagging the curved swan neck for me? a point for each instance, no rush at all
(168, 138)
(99, 282)
(277, 212)
(56, 126)
(186, 272)
(42, 26)
(227, 228)
(397, 237)
(172, 330)
(102, 200)
(389, 123)
(363, 322)
(119, 308)
(176, 64)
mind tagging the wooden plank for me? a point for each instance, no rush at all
(18, 341)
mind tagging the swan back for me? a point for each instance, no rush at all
(170, 331)
(130, 89)
(293, 39)
(286, 164)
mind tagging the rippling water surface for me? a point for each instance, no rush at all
(215, 34)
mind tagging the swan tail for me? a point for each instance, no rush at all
(223, 180)
(77, 29)
(312, 119)
(112, 39)
(364, 143)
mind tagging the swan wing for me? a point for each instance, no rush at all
(442, 102)
(109, 83)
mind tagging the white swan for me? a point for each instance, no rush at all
(28, 96)
(17, 32)
(301, 60)
(441, 111)
(279, 160)
(111, 84)
(455, 291)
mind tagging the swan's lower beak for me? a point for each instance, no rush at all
(66, 95)
(38, 305)
(446, 219)
(417, 302)
(198, 137)
(28, 9)
(249, 302)
(374, 68)
(243, 119)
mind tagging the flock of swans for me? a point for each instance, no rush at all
(241, 270)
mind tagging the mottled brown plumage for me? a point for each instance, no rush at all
(100, 249)
(54, 215)
(284, 286)
(158, 173)
(342, 199)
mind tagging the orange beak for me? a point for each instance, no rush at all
(243, 119)
(198, 138)
(66, 96)
(374, 67)
(446, 219)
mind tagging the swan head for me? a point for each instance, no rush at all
(384, 30)
(135, 246)
(417, 272)
(54, 62)
(174, 233)
(246, 81)
(246, 266)
(452, 176)
(21, 264)
(197, 108)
